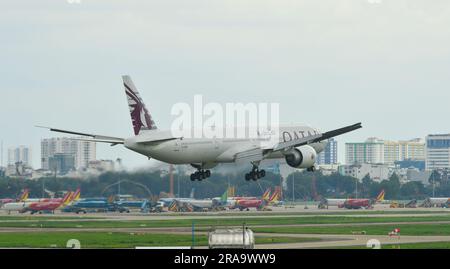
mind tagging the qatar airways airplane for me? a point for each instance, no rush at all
(298, 145)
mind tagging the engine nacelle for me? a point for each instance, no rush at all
(301, 157)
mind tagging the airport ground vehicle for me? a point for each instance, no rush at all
(436, 202)
(410, 204)
(231, 238)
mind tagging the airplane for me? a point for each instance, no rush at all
(168, 201)
(247, 204)
(362, 203)
(259, 203)
(76, 195)
(275, 198)
(52, 205)
(22, 197)
(298, 145)
(352, 203)
(46, 203)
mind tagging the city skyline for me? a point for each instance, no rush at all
(327, 63)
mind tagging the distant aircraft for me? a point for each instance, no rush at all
(51, 205)
(275, 198)
(76, 196)
(298, 145)
(352, 203)
(22, 197)
(39, 205)
(363, 203)
(258, 203)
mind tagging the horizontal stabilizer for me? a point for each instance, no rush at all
(95, 138)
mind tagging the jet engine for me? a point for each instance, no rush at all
(301, 157)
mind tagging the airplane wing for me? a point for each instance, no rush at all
(316, 138)
(94, 138)
(258, 154)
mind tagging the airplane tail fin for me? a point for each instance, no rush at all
(140, 117)
(67, 198)
(224, 197)
(276, 196)
(266, 195)
(24, 196)
(173, 206)
(380, 196)
(76, 195)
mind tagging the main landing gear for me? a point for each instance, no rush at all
(311, 169)
(255, 174)
(200, 175)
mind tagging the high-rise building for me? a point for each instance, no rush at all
(438, 151)
(61, 162)
(21, 154)
(371, 151)
(395, 151)
(82, 151)
(329, 154)
(375, 150)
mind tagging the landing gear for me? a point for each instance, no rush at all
(200, 175)
(255, 174)
(311, 169)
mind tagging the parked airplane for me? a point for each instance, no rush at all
(51, 206)
(352, 203)
(275, 198)
(298, 145)
(38, 205)
(22, 197)
(362, 203)
(76, 196)
(259, 203)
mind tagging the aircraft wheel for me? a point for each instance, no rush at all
(208, 173)
(263, 173)
(255, 176)
(247, 177)
(193, 177)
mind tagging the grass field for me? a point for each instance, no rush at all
(430, 245)
(86, 223)
(406, 229)
(328, 224)
(117, 240)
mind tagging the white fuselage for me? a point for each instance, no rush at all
(211, 151)
(19, 206)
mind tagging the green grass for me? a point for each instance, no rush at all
(315, 213)
(45, 217)
(406, 229)
(117, 240)
(428, 245)
(217, 222)
(431, 245)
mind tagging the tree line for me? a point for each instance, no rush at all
(298, 186)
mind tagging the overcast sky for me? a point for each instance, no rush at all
(328, 63)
